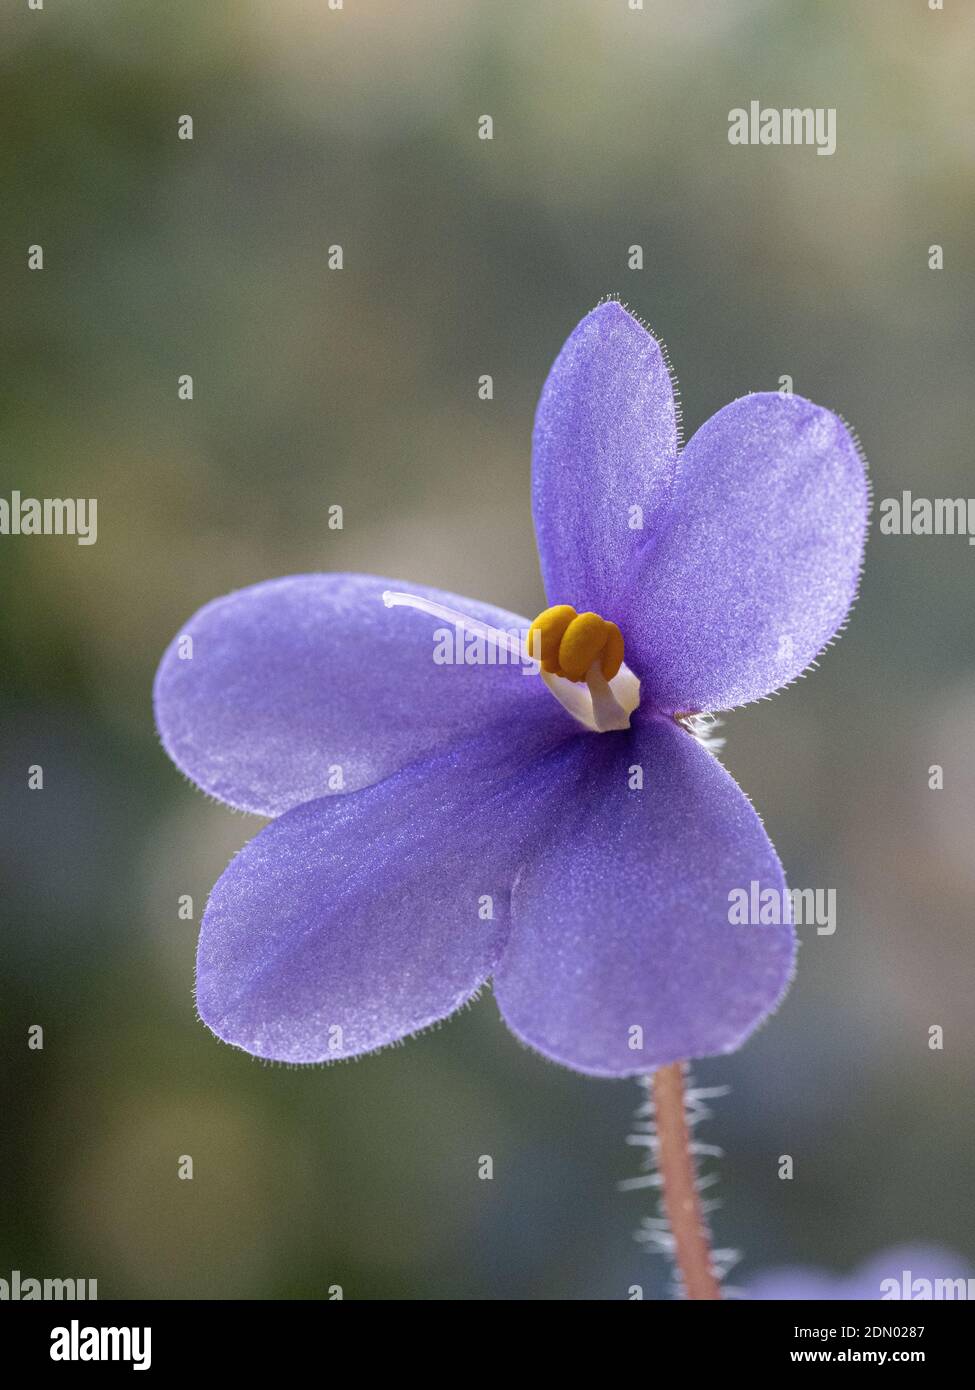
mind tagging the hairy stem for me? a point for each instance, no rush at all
(682, 1205)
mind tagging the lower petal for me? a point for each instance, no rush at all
(622, 955)
(353, 921)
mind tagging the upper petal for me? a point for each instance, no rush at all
(353, 921)
(622, 957)
(605, 442)
(295, 678)
(759, 561)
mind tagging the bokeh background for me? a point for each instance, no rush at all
(313, 387)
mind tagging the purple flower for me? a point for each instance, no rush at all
(579, 849)
(913, 1272)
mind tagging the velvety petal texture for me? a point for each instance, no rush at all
(759, 559)
(351, 922)
(605, 442)
(304, 686)
(622, 957)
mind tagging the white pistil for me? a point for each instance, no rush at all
(494, 636)
(599, 705)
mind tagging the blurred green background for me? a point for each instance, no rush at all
(313, 387)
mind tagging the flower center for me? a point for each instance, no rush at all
(567, 643)
(578, 655)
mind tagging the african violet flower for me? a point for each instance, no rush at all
(437, 824)
(914, 1272)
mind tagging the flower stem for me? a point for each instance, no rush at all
(682, 1205)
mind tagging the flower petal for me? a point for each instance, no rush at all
(759, 563)
(621, 956)
(605, 441)
(294, 678)
(353, 921)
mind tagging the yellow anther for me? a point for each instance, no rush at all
(583, 640)
(545, 634)
(567, 643)
(612, 652)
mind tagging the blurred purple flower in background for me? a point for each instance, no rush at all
(912, 1272)
(441, 821)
